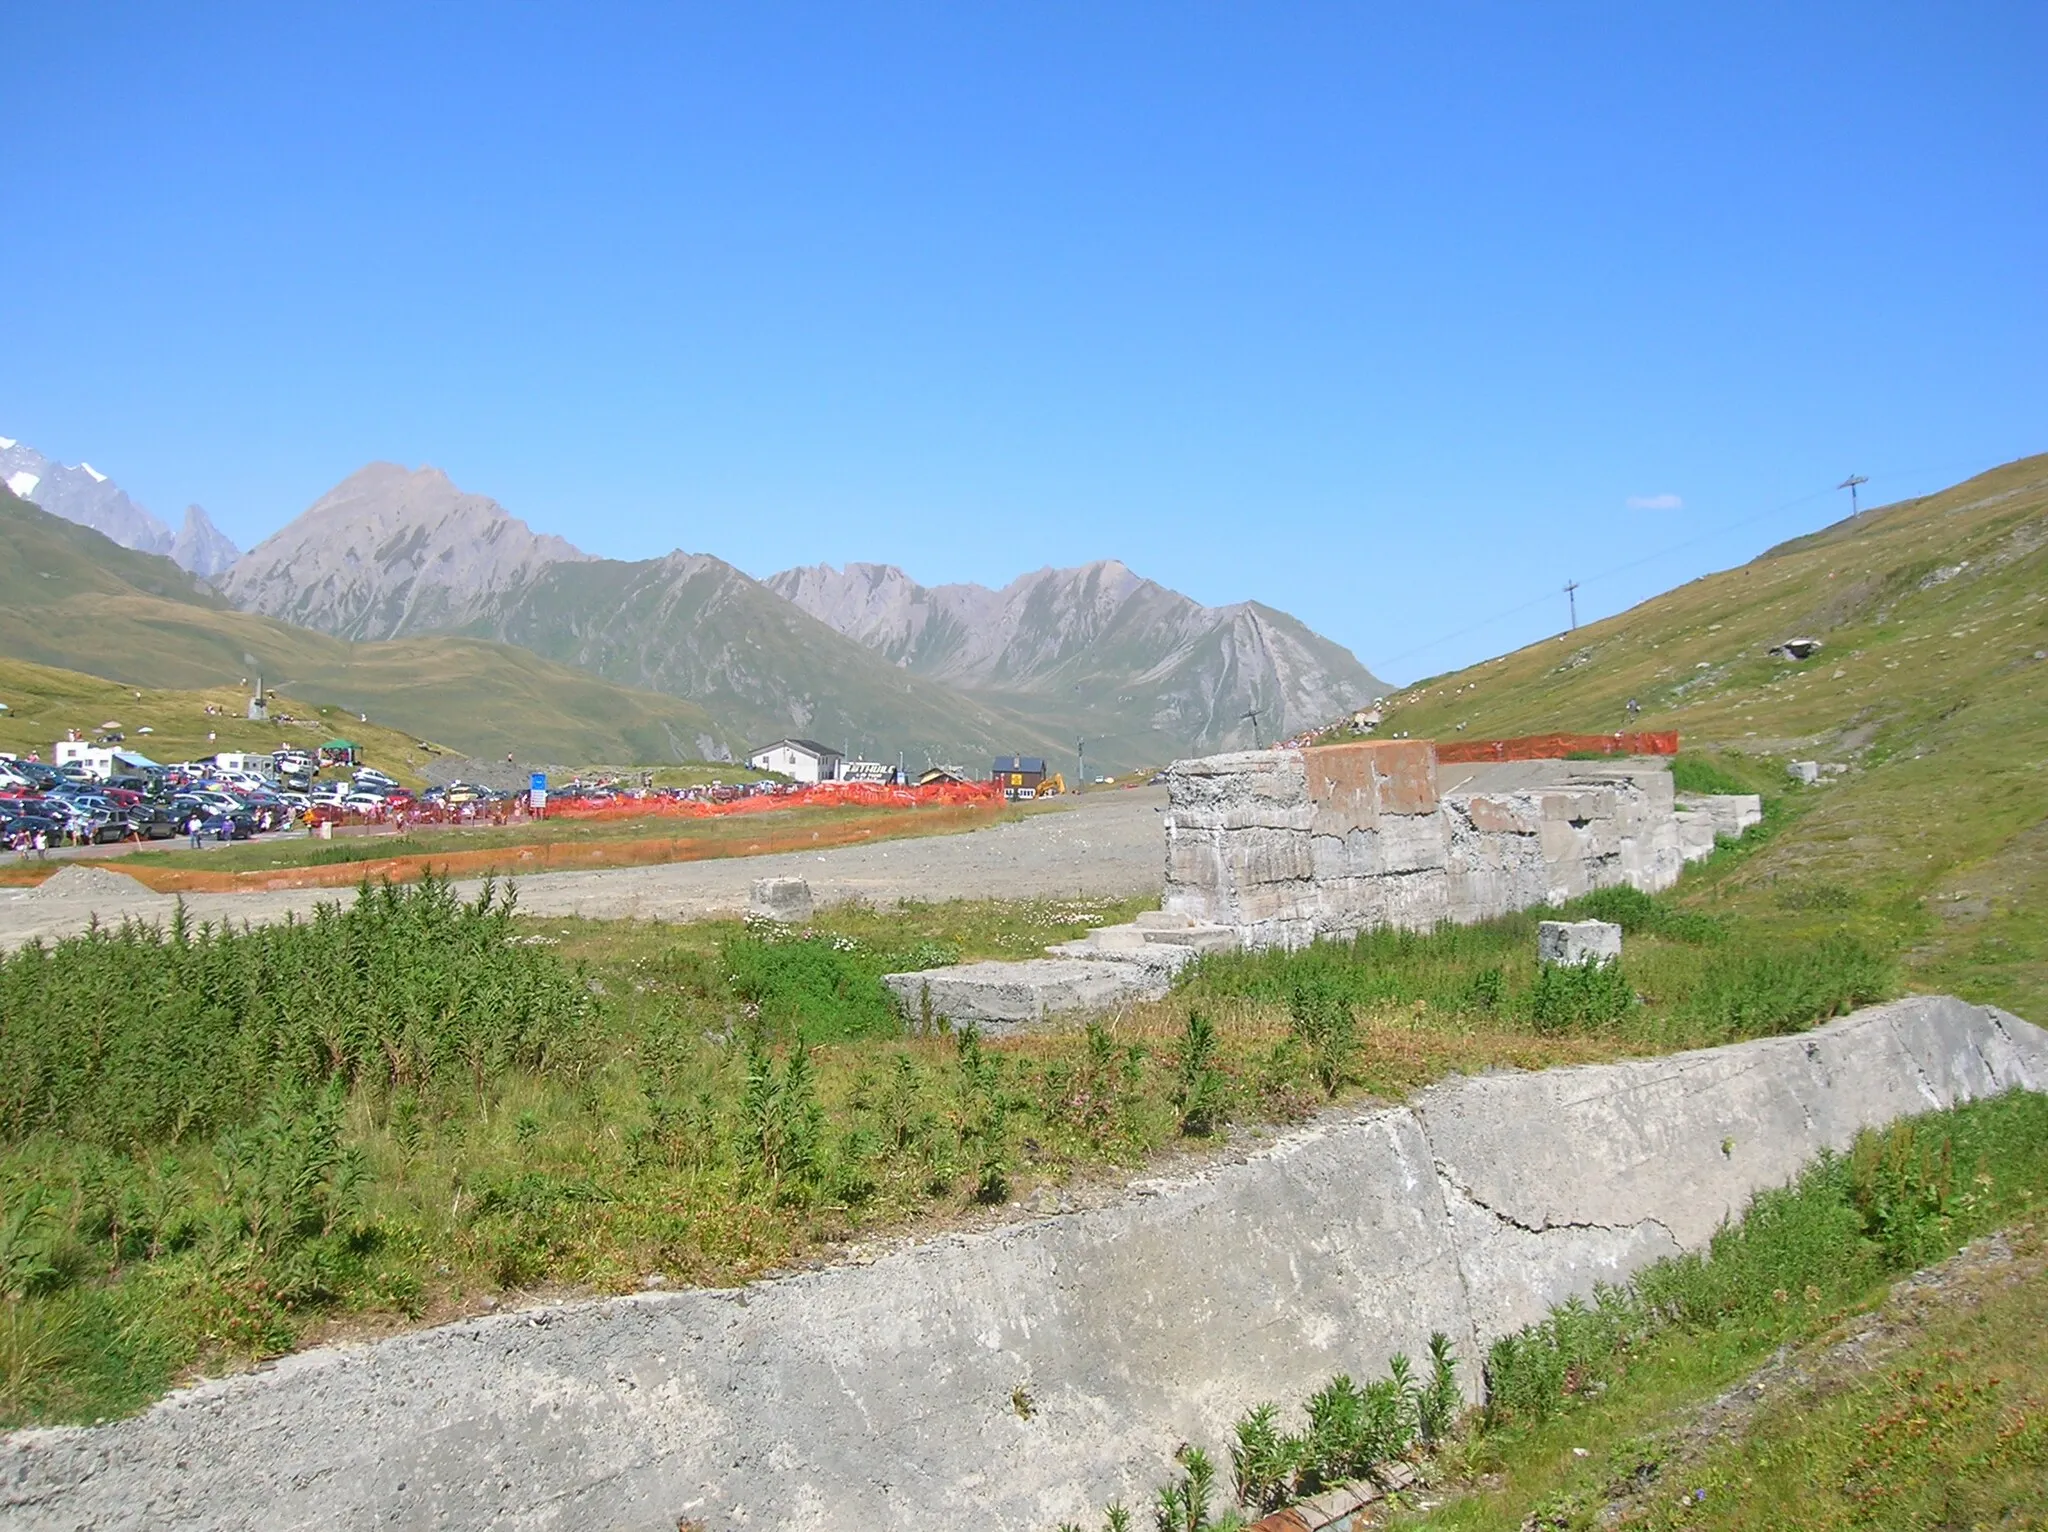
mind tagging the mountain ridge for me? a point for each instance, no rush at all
(1102, 633)
(72, 598)
(81, 494)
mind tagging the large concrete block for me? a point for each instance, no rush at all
(1002, 997)
(1575, 943)
(1730, 814)
(1696, 836)
(784, 899)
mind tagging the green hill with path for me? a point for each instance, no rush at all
(1930, 687)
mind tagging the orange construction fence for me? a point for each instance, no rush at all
(1553, 747)
(852, 795)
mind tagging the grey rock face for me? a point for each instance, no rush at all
(887, 1394)
(201, 547)
(1102, 633)
(83, 494)
(391, 551)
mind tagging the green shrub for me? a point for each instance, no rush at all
(1199, 1085)
(1694, 773)
(1577, 997)
(1758, 992)
(1638, 913)
(139, 1035)
(1324, 1024)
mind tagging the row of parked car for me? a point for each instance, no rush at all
(69, 807)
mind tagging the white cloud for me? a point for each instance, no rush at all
(1655, 503)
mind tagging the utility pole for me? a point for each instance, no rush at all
(1252, 714)
(1850, 484)
(1081, 755)
(1571, 594)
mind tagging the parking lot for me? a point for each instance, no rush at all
(1108, 843)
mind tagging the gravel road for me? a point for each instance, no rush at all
(1102, 844)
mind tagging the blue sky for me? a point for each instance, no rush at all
(1382, 315)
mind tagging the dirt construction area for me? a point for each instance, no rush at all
(1104, 844)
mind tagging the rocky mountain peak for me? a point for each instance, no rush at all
(391, 550)
(201, 547)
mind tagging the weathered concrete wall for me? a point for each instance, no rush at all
(885, 1395)
(1284, 846)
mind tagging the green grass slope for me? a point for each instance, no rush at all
(43, 702)
(72, 599)
(1932, 688)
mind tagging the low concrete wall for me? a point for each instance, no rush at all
(888, 1394)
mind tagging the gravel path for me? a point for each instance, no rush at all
(1106, 844)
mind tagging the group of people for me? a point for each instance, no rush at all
(27, 843)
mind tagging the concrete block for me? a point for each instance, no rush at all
(1730, 813)
(1574, 943)
(1412, 842)
(1502, 814)
(1003, 997)
(1695, 836)
(784, 899)
(1803, 771)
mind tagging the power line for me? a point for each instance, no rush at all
(1608, 574)
(1571, 594)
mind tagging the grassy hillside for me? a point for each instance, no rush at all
(72, 599)
(1931, 687)
(43, 702)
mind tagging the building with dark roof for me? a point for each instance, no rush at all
(802, 760)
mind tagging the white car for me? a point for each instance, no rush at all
(368, 803)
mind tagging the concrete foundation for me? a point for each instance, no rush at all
(1015, 1378)
(1285, 846)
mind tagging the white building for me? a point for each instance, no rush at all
(803, 760)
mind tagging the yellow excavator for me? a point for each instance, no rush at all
(1051, 787)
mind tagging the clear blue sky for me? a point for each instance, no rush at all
(1380, 314)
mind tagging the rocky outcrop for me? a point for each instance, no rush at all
(1014, 1378)
(202, 547)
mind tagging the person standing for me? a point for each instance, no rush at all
(196, 828)
(42, 845)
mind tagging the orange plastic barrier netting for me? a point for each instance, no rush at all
(834, 795)
(861, 795)
(1552, 747)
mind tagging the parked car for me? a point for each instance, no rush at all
(12, 823)
(153, 821)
